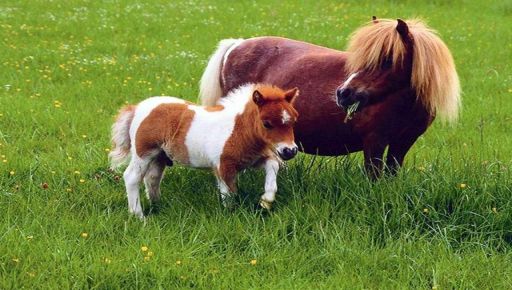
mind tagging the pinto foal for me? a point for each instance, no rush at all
(251, 126)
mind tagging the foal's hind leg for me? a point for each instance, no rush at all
(153, 177)
(132, 177)
(226, 175)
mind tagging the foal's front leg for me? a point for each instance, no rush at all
(271, 168)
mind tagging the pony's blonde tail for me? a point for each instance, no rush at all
(121, 137)
(209, 86)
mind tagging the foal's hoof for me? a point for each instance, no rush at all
(263, 207)
(265, 204)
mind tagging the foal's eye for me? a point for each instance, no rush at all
(267, 124)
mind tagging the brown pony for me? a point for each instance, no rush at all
(396, 75)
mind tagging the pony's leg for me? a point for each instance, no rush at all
(132, 178)
(373, 157)
(271, 168)
(226, 176)
(153, 177)
(399, 148)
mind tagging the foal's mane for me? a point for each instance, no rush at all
(243, 94)
(433, 71)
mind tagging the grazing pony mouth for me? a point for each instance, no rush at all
(350, 111)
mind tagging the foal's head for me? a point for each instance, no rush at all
(394, 57)
(277, 118)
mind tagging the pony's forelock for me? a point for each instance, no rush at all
(433, 71)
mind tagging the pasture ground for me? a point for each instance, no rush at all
(66, 68)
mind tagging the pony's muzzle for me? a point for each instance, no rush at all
(344, 97)
(287, 153)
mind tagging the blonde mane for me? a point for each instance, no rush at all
(433, 71)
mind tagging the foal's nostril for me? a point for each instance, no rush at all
(288, 153)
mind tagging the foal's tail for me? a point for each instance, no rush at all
(121, 137)
(209, 86)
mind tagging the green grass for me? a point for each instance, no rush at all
(67, 67)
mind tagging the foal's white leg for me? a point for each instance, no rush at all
(132, 177)
(271, 168)
(153, 178)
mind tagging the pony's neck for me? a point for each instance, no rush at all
(249, 134)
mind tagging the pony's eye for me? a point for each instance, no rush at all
(267, 124)
(387, 64)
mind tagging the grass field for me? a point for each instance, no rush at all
(66, 68)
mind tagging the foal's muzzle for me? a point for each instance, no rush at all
(287, 153)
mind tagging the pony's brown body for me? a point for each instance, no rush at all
(391, 116)
(321, 129)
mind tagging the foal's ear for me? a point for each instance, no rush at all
(290, 95)
(257, 98)
(403, 30)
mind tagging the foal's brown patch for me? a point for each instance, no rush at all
(215, 108)
(166, 127)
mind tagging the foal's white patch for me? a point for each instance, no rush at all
(143, 110)
(286, 117)
(209, 131)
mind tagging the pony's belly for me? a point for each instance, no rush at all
(198, 159)
(314, 145)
